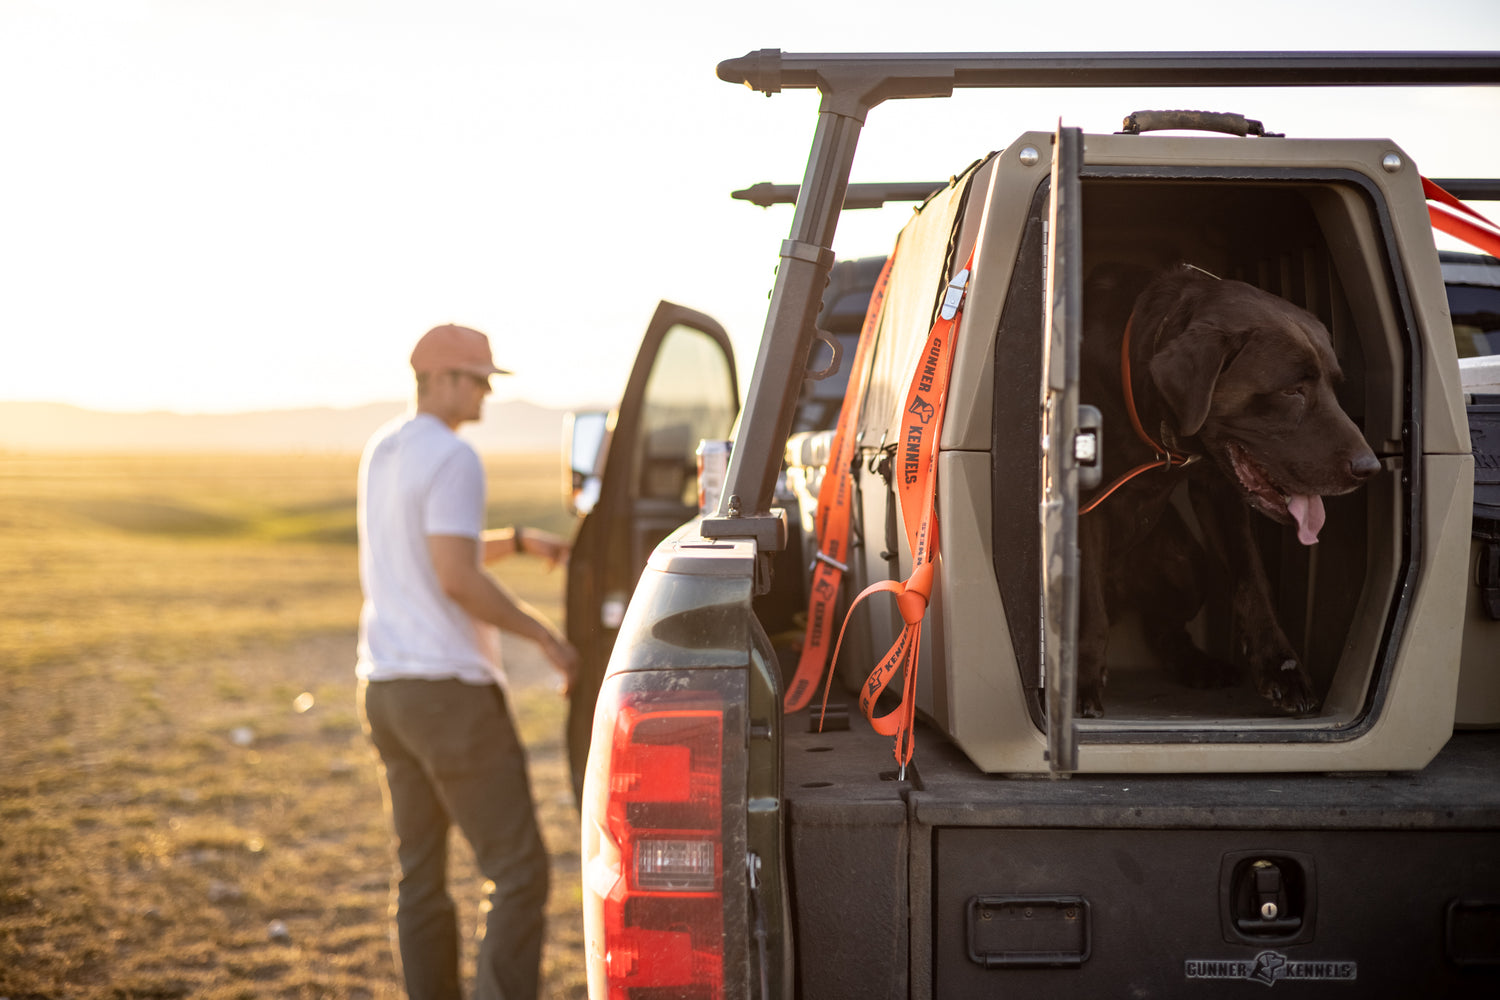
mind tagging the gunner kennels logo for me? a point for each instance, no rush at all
(1269, 968)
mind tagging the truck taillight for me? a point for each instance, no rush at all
(653, 843)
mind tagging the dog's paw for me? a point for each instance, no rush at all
(1287, 687)
(1090, 706)
(1092, 677)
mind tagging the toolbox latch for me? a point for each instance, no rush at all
(1267, 908)
(1268, 898)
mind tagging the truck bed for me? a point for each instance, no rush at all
(958, 883)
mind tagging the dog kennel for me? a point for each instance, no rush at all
(1375, 609)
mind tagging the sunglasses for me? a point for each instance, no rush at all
(483, 381)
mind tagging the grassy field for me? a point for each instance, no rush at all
(187, 805)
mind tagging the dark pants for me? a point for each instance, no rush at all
(450, 755)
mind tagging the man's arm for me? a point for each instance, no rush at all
(455, 559)
(497, 543)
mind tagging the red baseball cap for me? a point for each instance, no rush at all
(454, 348)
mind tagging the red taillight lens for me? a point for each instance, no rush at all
(653, 844)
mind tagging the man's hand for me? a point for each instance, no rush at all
(455, 561)
(564, 659)
(554, 549)
(545, 545)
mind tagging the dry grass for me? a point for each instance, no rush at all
(187, 804)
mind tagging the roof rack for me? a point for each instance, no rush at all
(853, 83)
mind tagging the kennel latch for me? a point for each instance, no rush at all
(1088, 446)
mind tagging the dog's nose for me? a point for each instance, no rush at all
(1364, 465)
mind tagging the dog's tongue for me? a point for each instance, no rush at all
(1308, 511)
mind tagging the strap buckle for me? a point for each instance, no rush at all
(824, 557)
(954, 296)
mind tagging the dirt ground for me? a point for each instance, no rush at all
(226, 854)
(188, 805)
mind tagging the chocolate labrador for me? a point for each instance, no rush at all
(1232, 391)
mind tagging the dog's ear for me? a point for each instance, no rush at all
(1186, 370)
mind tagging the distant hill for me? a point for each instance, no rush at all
(509, 426)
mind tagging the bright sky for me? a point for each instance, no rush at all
(219, 205)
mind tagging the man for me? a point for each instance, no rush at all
(431, 693)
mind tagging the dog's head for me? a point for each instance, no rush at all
(1252, 378)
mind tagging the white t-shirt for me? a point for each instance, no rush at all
(417, 478)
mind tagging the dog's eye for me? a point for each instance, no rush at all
(1295, 391)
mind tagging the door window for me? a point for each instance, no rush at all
(690, 396)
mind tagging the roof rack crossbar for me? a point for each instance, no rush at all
(870, 78)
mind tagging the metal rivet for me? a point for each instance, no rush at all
(1030, 157)
(1391, 163)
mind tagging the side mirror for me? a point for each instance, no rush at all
(585, 440)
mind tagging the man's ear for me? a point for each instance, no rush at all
(1186, 370)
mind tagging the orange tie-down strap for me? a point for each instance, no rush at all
(835, 496)
(916, 483)
(1459, 220)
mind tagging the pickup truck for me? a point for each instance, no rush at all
(1186, 843)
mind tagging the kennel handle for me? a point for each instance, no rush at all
(1226, 122)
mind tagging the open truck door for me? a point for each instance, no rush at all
(638, 485)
